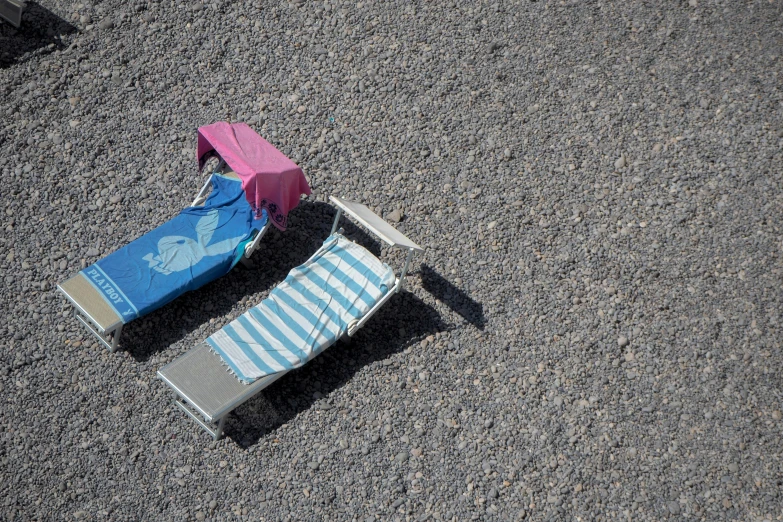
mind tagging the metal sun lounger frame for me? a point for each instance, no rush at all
(203, 386)
(11, 11)
(93, 312)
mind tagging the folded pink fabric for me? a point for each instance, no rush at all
(271, 181)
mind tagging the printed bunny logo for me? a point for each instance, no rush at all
(178, 253)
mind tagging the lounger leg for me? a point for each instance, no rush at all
(114, 334)
(216, 433)
(115, 338)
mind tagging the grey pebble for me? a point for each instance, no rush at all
(401, 457)
(497, 136)
(395, 216)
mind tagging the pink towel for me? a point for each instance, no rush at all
(271, 181)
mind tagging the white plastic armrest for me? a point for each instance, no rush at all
(253, 245)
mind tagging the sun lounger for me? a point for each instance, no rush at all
(331, 296)
(202, 243)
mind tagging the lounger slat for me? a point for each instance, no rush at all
(201, 379)
(90, 302)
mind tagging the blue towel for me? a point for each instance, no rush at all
(197, 246)
(306, 313)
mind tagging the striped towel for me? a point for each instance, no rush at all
(306, 313)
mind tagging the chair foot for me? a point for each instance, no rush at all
(111, 340)
(216, 432)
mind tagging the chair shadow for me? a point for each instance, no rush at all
(309, 225)
(404, 321)
(166, 326)
(40, 29)
(456, 299)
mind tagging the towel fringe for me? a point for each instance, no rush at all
(227, 367)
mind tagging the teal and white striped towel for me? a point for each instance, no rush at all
(306, 313)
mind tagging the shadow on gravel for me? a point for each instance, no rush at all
(444, 291)
(40, 29)
(160, 329)
(310, 223)
(404, 321)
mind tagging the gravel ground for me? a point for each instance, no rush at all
(593, 333)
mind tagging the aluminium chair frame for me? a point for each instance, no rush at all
(11, 11)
